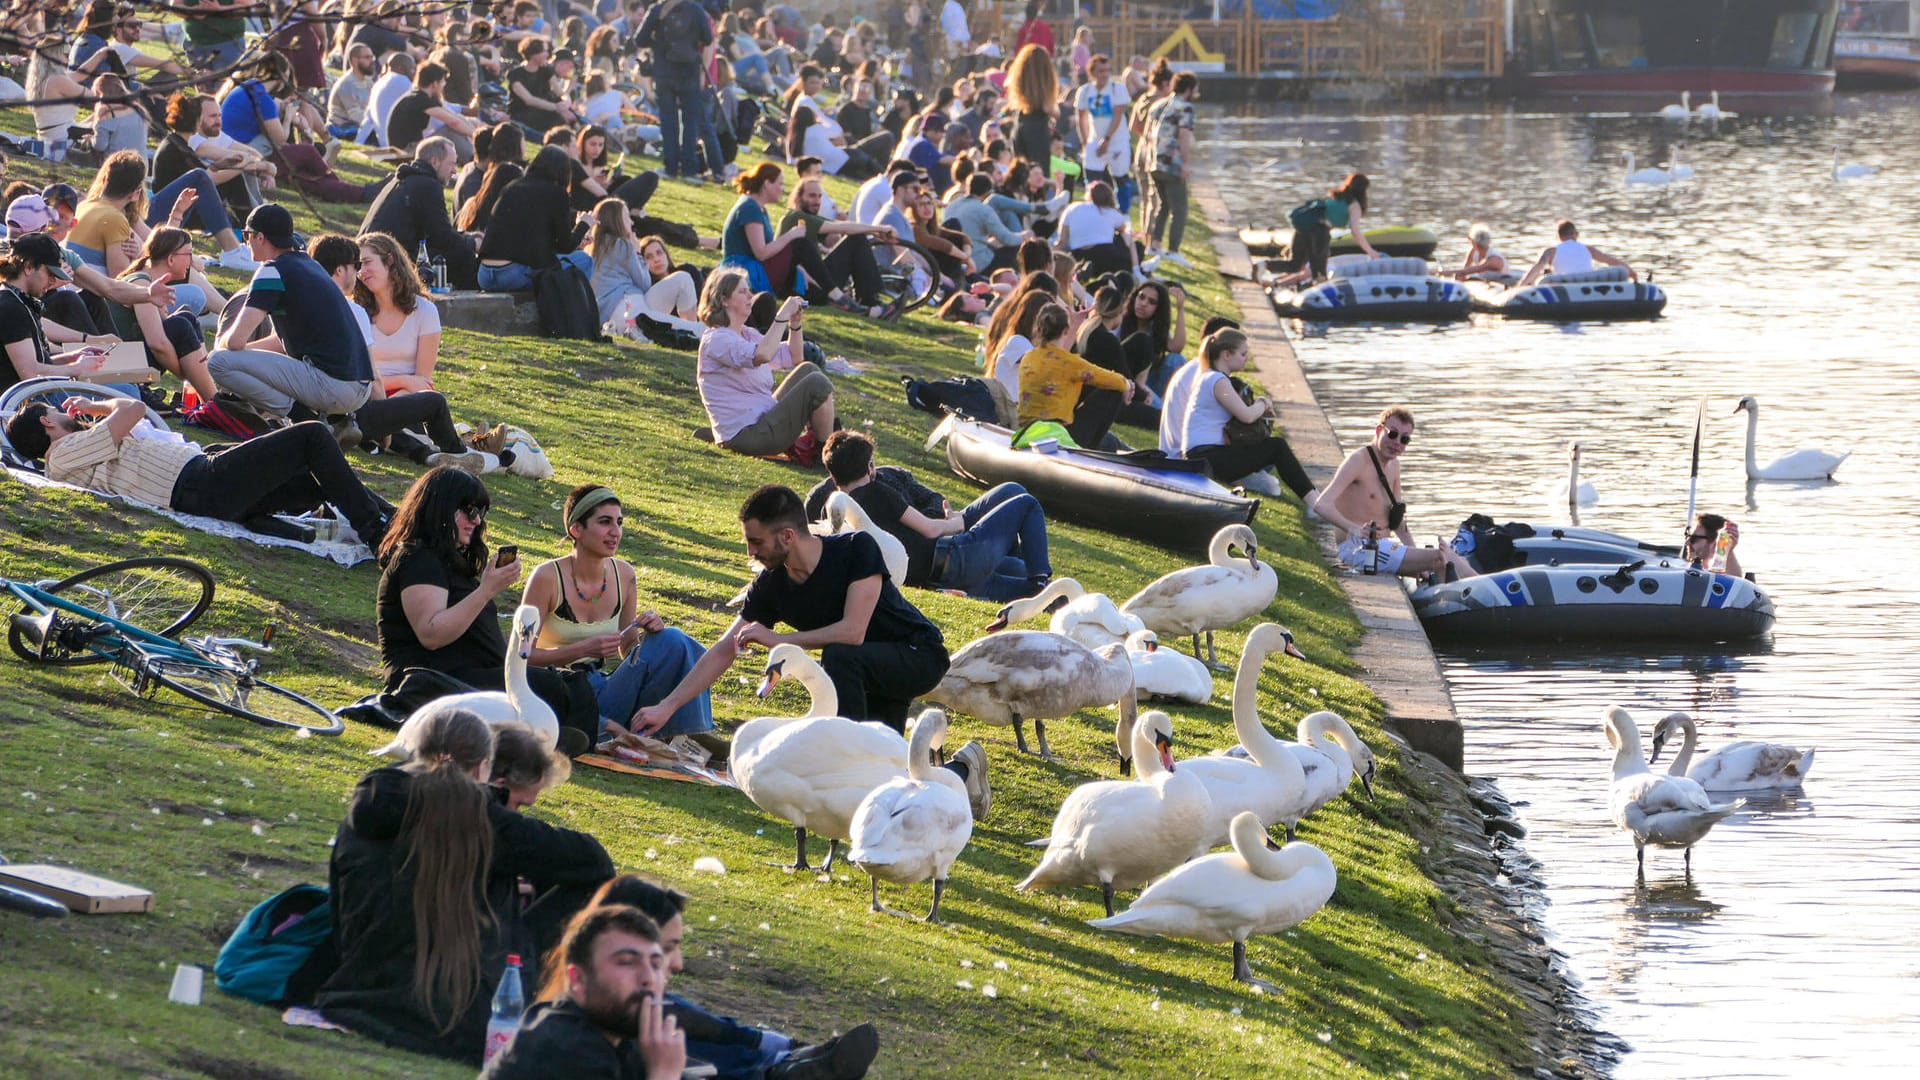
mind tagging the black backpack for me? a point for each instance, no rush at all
(1489, 547)
(564, 298)
(676, 36)
(962, 395)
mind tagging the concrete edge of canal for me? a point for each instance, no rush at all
(1469, 846)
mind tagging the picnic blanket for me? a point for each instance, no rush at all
(680, 760)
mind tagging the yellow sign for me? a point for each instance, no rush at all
(1202, 59)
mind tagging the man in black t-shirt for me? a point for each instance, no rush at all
(531, 100)
(994, 549)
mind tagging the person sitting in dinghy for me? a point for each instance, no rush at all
(1482, 261)
(1705, 536)
(1570, 256)
(1363, 502)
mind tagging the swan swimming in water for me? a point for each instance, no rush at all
(1850, 171)
(1647, 177)
(1806, 463)
(1743, 765)
(1573, 491)
(1682, 110)
(1667, 811)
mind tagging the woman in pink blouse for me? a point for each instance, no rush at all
(406, 326)
(749, 415)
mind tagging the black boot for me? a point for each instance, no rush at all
(843, 1057)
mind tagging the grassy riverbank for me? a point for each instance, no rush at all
(213, 814)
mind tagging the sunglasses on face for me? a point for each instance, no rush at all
(1697, 538)
(475, 514)
(1394, 436)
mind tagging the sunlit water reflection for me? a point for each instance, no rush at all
(1793, 949)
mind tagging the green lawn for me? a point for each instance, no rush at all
(213, 814)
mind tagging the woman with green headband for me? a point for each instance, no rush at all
(590, 620)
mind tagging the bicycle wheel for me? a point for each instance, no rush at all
(159, 594)
(247, 696)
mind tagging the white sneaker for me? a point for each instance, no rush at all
(1261, 483)
(1147, 265)
(1059, 200)
(237, 259)
(1176, 259)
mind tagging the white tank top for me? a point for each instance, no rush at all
(1191, 415)
(1571, 257)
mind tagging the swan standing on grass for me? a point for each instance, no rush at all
(844, 516)
(1087, 617)
(518, 705)
(913, 827)
(1119, 834)
(1333, 756)
(1745, 765)
(812, 770)
(1850, 171)
(1270, 781)
(1036, 675)
(1648, 177)
(1167, 674)
(1221, 594)
(1667, 811)
(1803, 464)
(1681, 111)
(1232, 895)
(1572, 491)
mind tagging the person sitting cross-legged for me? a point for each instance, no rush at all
(993, 549)
(735, 377)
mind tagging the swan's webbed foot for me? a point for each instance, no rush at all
(1243, 973)
(1213, 658)
(799, 862)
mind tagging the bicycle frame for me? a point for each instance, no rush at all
(125, 642)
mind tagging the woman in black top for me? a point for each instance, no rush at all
(425, 882)
(1099, 344)
(532, 226)
(1033, 92)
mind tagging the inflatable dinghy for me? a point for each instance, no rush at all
(1359, 289)
(1172, 503)
(1604, 292)
(1396, 241)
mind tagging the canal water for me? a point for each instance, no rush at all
(1794, 949)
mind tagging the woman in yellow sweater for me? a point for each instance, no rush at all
(1057, 385)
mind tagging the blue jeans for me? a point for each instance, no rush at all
(518, 277)
(1161, 374)
(211, 213)
(1012, 211)
(685, 121)
(1003, 549)
(215, 57)
(747, 1052)
(649, 674)
(753, 73)
(190, 298)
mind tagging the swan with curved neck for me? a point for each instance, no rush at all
(1807, 463)
(1666, 811)
(1089, 618)
(1122, 833)
(1269, 781)
(1224, 592)
(1743, 765)
(1850, 171)
(518, 704)
(913, 827)
(845, 515)
(812, 770)
(1333, 756)
(1167, 673)
(1019, 675)
(1233, 895)
(1647, 177)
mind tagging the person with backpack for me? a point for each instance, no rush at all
(680, 36)
(1313, 222)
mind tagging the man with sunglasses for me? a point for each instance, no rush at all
(1363, 502)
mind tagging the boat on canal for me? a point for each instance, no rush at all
(1878, 44)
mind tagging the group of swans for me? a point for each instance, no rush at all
(1663, 810)
(1683, 110)
(1094, 621)
(517, 705)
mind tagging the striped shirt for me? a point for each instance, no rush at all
(143, 467)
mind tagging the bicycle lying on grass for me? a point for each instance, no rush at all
(126, 614)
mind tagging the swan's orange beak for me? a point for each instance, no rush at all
(1294, 650)
(1166, 757)
(1154, 645)
(999, 623)
(766, 681)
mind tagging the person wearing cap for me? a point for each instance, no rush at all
(922, 147)
(532, 101)
(32, 214)
(323, 367)
(590, 619)
(30, 266)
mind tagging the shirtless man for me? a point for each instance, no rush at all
(1363, 501)
(1570, 256)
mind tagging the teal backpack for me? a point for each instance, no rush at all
(282, 951)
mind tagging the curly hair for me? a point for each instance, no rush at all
(403, 282)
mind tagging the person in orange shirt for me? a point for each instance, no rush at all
(1057, 385)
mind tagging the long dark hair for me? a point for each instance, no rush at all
(478, 211)
(448, 845)
(1352, 190)
(1161, 328)
(580, 144)
(797, 126)
(552, 165)
(424, 521)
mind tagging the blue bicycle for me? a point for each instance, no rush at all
(127, 614)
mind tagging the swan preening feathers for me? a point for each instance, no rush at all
(1745, 765)
(1806, 463)
(1087, 617)
(518, 704)
(1666, 811)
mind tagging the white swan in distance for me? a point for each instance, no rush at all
(1232, 895)
(913, 827)
(812, 770)
(1666, 811)
(1743, 765)
(1850, 171)
(1807, 463)
(844, 515)
(1647, 177)
(1223, 592)
(1119, 834)
(1682, 110)
(1269, 781)
(1089, 618)
(1711, 111)
(1573, 491)
(518, 704)
(1167, 673)
(1675, 168)
(1037, 675)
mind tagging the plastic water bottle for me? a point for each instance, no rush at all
(508, 1003)
(1721, 546)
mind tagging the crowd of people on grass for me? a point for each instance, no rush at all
(998, 184)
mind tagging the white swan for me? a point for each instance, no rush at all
(812, 770)
(518, 705)
(1270, 781)
(1333, 756)
(1674, 167)
(1804, 464)
(1667, 811)
(1087, 617)
(1573, 491)
(1232, 895)
(1681, 111)
(1036, 675)
(1649, 177)
(912, 827)
(1850, 171)
(1712, 111)
(1744, 765)
(844, 515)
(1225, 592)
(1119, 834)
(1167, 673)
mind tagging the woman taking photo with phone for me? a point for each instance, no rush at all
(590, 620)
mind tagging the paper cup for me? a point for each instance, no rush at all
(188, 979)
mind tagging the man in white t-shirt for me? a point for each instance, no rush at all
(386, 93)
(1100, 111)
(953, 23)
(1095, 233)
